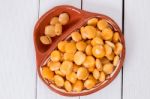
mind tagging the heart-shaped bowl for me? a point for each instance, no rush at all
(78, 18)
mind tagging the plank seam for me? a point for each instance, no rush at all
(123, 9)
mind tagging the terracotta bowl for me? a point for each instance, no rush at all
(78, 18)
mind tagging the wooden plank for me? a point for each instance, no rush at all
(113, 9)
(136, 80)
(42, 91)
(17, 57)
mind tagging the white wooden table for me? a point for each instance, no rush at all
(18, 78)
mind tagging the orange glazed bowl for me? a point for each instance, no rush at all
(78, 18)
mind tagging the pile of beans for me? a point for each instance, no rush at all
(87, 58)
(55, 28)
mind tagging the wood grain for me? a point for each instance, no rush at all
(114, 10)
(17, 57)
(136, 78)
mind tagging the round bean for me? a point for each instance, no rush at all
(72, 77)
(82, 73)
(98, 64)
(58, 29)
(70, 47)
(98, 51)
(59, 81)
(107, 34)
(88, 84)
(81, 45)
(102, 24)
(45, 40)
(54, 20)
(78, 86)
(116, 60)
(89, 61)
(50, 31)
(66, 67)
(64, 18)
(47, 73)
(108, 68)
(92, 21)
(76, 36)
(68, 86)
(55, 56)
(88, 50)
(79, 57)
(97, 41)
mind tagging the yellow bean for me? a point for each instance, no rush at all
(107, 34)
(102, 24)
(83, 33)
(102, 77)
(61, 46)
(111, 56)
(68, 56)
(58, 29)
(108, 49)
(78, 86)
(79, 57)
(47, 73)
(89, 61)
(118, 48)
(64, 18)
(112, 45)
(98, 51)
(90, 32)
(54, 65)
(116, 37)
(70, 47)
(72, 77)
(81, 45)
(58, 72)
(68, 86)
(59, 81)
(96, 74)
(54, 20)
(88, 50)
(116, 60)
(97, 41)
(76, 36)
(88, 84)
(55, 55)
(82, 73)
(92, 21)
(45, 40)
(108, 68)
(98, 64)
(66, 67)
(50, 31)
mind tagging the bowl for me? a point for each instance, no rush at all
(78, 18)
